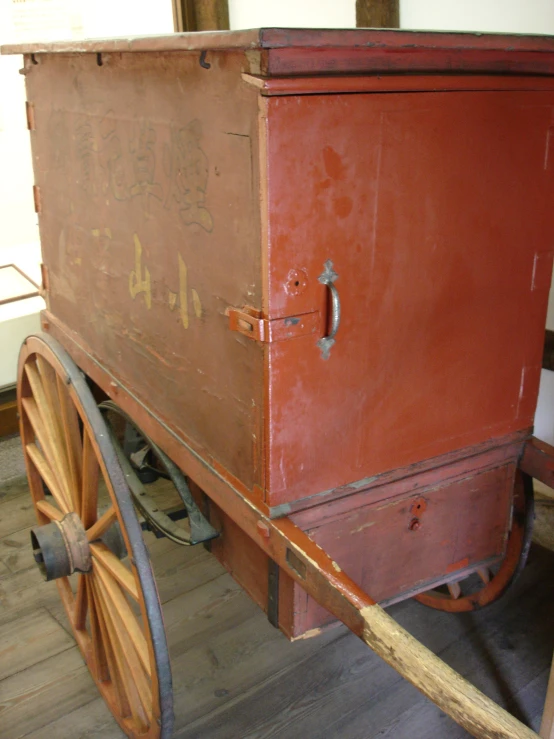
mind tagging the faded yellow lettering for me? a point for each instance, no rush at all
(102, 238)
(196, 304)
(181, 298)
(183, 302)
(139, 281)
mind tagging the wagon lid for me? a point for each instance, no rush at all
(291, 50)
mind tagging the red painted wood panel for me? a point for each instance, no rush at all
(436, 211)
(461, 525)
(150, 229)
(294, 61)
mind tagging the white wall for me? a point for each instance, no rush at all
(516, 16)
(17, 217)
(292, 13)
(125, 17)
(502, 16)
(44, 20)
(36, 20)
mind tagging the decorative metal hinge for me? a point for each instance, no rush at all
(249, 322)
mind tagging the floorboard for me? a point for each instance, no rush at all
(236, 677)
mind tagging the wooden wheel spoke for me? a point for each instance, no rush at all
(81, 604)
(115, 567)
(51, 411)
(49, 510)
(91, 477)
(102, 525)
(47, 409)
(125, 616)
(485, 574)
(72, 437)
(47, 475)
(103, 652)
(133, 678)
(47, 379)
(455, 589)
(66, 594)
(114, 615)
(49, 452)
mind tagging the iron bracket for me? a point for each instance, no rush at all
(201, 529)
(249, 322)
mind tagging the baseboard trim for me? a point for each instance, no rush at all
(9, 420)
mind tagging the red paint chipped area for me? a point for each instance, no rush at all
(458, 565)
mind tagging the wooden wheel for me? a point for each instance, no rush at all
(81, 501)
(486, 586)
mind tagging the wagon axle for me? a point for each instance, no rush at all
(61, 548)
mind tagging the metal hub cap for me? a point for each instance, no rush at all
(61, 548)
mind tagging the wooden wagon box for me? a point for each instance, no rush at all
(320, 260)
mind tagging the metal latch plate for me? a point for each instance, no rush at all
(248, 322)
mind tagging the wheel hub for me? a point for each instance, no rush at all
(61, 548)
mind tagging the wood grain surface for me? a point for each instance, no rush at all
(377, 13)
(236, 676)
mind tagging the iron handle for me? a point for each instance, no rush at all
(328, 278)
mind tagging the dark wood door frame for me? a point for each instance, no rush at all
(378, 13)
(201, 15)
(213, 15)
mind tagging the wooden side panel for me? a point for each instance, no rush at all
(146, 165)
(248, 564)
(407, 59)
(435, 210)
(459, 525)
(392, 548)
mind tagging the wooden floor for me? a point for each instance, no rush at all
(236, 677)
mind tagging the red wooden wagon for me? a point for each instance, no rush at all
(310, 272)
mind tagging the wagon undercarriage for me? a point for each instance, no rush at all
(115, 613)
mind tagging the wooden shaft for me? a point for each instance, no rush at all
(332, 588)
(452, 693)
(547, 723)
(538, 461)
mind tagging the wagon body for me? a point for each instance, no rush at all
(207, 203)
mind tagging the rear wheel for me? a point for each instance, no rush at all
(487, 585)
(90, 542)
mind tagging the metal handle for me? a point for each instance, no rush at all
(328, 278)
